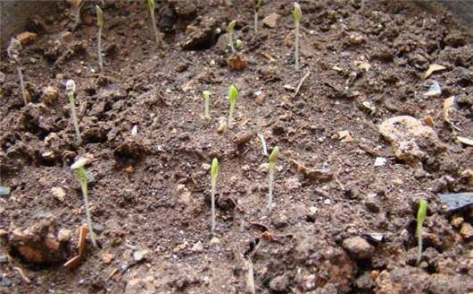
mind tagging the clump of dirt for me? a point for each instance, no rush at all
(360, 146)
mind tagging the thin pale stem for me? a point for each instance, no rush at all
(155, 31)
(213, 205)
(271, 177)
(231, 116)
(99, 48)
(206, 108)
(297, 46)
(231, 42)
(88, 213)
(420, 245)
(264, 144)
(74, 118)
(255, 22)
(22, 84)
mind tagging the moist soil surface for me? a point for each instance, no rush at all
(346, 194)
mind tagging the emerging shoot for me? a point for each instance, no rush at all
(419, 228)
(81, 175)
(258, 4)
(296, 20)
(13, 52)
(70, 90)
(207, 96)
(230, 32)
(264, 144)
(214, 173)
(271, 175)
(233, 95)
(151, 6)
(100, 23)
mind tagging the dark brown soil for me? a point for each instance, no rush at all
(150, 192)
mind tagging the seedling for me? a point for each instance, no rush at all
(264, 144)
(258, 4)
(214, 173)
(100, 23)
(230, 32)
(296, 20)
(13, 52)
(81, 175)
(151, 6)
(207, 96)
(233, 95)
(70, 90)
(271, 175)
(419, 228)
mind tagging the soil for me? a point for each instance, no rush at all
(339, 225)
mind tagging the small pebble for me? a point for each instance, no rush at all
(358, 247)
(215, 240)
(327, 201)
(5, 282)
(140, 255)
(466, 231)
(5, 191)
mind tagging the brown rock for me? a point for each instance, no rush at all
(26, 37)
(66, 36)
(358, 247)
(466, 231)
(271, 20)
(410, 139)
(58, 193)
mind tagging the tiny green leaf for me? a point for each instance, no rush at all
(100, 16)
(274, 155)
(214, 169)
(233, 94)
(421, 215)
(296, 14)
(258, 4)
(206, 94)
(151, 5)
(230, 27)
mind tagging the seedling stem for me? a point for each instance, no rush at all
(271, 176)
(296, 19)
(100, 23)
(258, 4)
(214, 174)
(207, 96)
(233, 95)
(13, 52)
(70, 89)
(230, 32)
(419, 228)
(81, 175)
(151, 6)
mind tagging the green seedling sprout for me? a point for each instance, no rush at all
(81, 175)
(258, 4)
(214, 174)
(151, 6)
(230, 32)
(70, 90)
(233, 95)
(419, 228)
(100, 23)
(13, 52)
(271, 175)
(296, 20)
(207, 97)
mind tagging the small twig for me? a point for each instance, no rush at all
(297, 90)
(22, 275)
(264, 144)
(250, 275)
